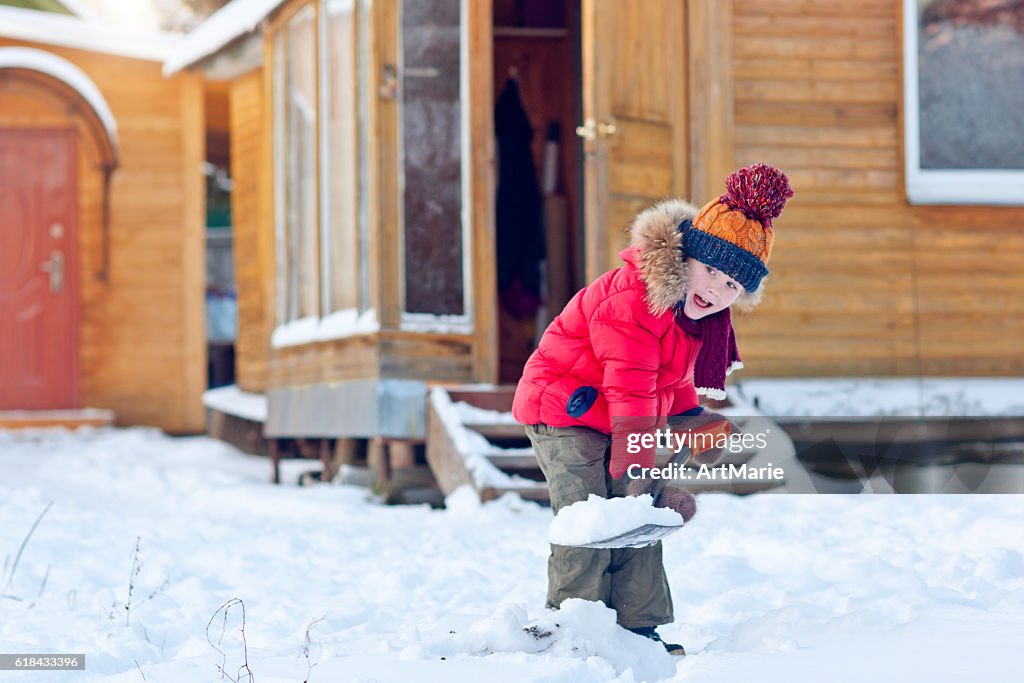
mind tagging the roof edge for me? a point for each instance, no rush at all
(236, 19)
(47, 28)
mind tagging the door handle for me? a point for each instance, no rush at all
(55, 267)
(588, 131)
(591, 129)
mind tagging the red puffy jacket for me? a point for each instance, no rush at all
(616, 351)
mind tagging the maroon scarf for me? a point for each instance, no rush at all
(718, 355)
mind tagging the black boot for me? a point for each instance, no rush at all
(652, 633)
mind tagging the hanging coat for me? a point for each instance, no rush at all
(519, 213)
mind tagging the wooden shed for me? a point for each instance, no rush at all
(101, 233)
(368, 227)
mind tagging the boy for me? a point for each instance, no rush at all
(631, 349)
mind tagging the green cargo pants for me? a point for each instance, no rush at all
(629, 580)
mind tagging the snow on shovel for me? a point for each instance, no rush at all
(630, 522)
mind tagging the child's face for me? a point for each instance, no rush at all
(709, 291)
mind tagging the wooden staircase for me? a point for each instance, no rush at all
(472, 439)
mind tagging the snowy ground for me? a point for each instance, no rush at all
(781, 587)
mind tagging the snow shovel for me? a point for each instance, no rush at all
(646, 534)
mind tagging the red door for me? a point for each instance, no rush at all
(38, 270)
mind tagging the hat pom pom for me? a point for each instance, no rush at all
(759, 191)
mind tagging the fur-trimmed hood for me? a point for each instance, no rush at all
(660, 258)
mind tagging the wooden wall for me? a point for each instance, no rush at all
(862, 283)
(253, 230)
(143, 346)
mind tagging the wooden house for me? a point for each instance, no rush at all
(101, 232)
(366, 222)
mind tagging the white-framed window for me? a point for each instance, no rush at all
(433, 140)
(963, 98)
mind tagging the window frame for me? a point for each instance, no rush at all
(930, 186)
(360, 10)
(432, 322)
(283, 237)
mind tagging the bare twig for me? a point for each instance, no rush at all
(42, 586)
(136, 567)
(140, 669)
(307, 645)
(157, 591)
(225, 608)
(24, 542)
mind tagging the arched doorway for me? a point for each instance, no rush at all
(39, 250)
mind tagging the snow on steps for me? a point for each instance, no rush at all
(459, 450)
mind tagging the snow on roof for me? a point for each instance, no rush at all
(66, 72)
(84, 34)
(78, 9)
(232, 21)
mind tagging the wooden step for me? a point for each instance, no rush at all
(497, 397)
(68, 419)
(243, 433)
(449, 465)
(499, 432)
(537, 493)
(513, 459)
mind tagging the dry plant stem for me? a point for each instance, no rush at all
(306, 644)
(24, 542)
(131, 580)
(225, 608)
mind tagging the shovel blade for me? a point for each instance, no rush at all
(643, 535)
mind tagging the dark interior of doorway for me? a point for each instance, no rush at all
(221, 293)
(540, 263)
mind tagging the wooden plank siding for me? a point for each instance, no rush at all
(252, 231)
(709, 66)
(142, 341)
(861, 282)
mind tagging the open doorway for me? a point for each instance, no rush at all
(538, 209)
(221, 294)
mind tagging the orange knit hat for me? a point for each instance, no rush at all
(734, 232)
